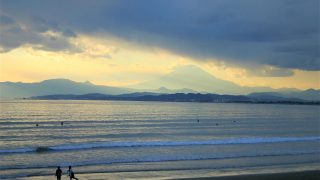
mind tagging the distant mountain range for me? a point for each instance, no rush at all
(309, 95)
(13, 90)
(185, 79)
(9, 90)
(178, 97)
(191, 77)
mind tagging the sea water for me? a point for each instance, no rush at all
(129, 139)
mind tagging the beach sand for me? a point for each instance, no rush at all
(304, 175)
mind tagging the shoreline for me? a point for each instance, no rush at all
(197, 171)
(295, 175)
(315, 103)
(301, 175)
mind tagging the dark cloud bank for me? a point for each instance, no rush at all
(14, 34)
(247, 33)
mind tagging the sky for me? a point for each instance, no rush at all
(272, 43)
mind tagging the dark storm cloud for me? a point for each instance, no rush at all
(41, 25)
(69, 33)
(247, 33)
(6, 20)
(15, 34)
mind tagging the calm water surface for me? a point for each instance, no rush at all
(120, 136)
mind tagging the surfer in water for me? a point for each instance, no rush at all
(71, 173)
(58, 173)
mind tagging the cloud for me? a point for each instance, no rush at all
(41, 25)
(6, 20)
(269, 71)
(37, 33)
(69, 33)
(283, 34)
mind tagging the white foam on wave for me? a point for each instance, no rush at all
(185, 143)
(21, 150)
(249, 140)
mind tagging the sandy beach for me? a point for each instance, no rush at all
(305, 175)
(302, 175)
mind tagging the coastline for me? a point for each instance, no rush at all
(303, 175)
(294, 175)
(308, 171)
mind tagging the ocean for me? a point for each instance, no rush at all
(155, 140)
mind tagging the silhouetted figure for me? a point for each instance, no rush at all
(37, 124)
(71, 174)
(217, 124)
(61, 123)
(58, 173)
(198, 120)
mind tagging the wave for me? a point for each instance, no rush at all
(230, 141)
(165, 159)
(40, 149)
(1, 119)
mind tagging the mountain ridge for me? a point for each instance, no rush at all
(178, 97)
(197, 79)
(179, 81)
(189, 77)
(54, 86)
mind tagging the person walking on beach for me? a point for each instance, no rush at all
(71, 174)
(58, 173)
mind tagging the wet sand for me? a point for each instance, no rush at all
(304, 175)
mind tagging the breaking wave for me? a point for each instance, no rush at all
(252, 140)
